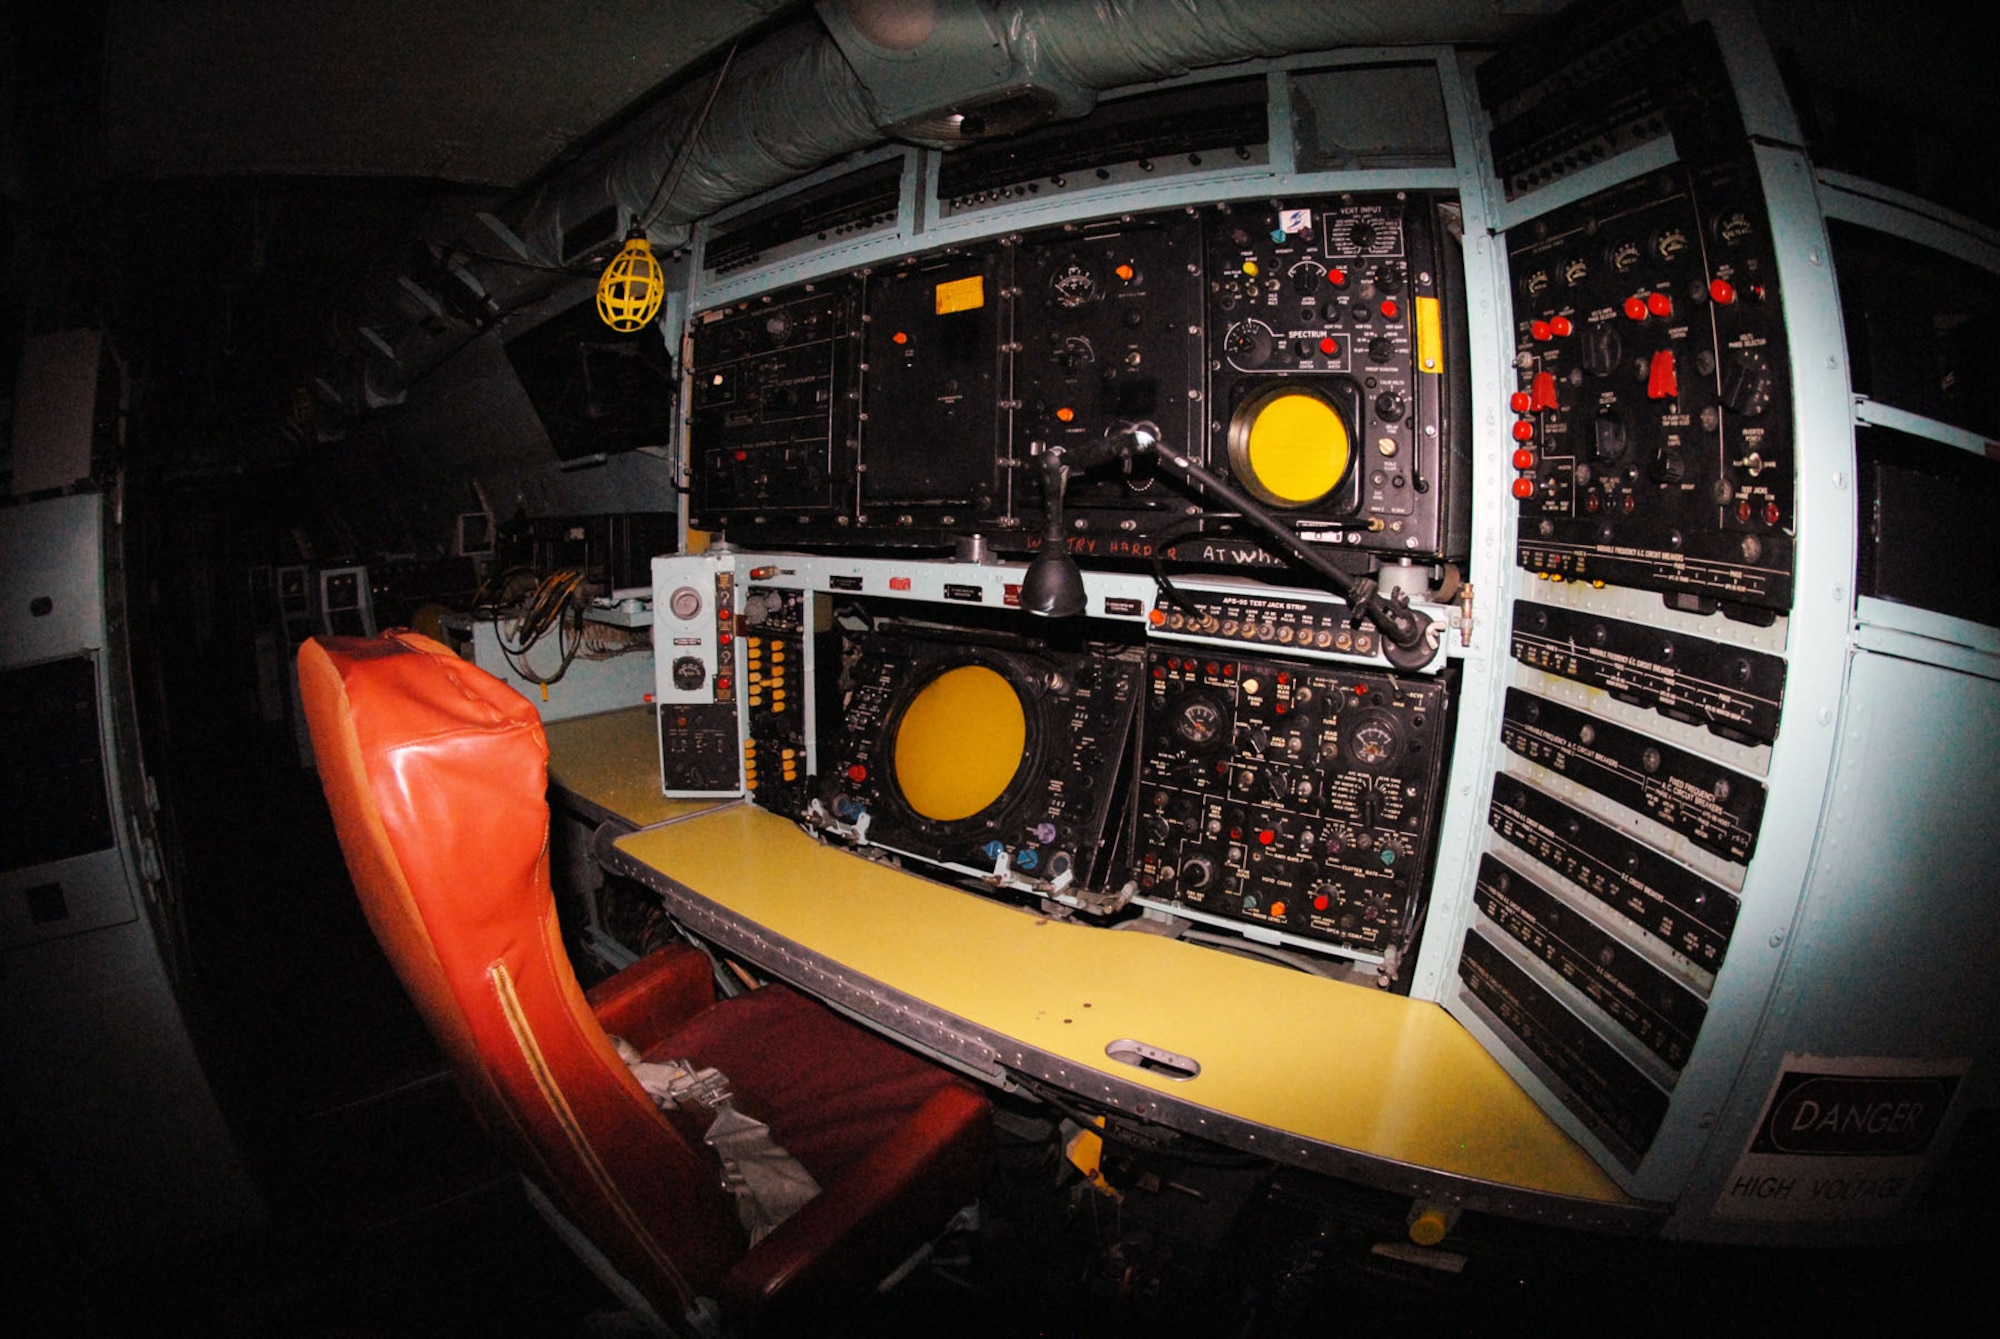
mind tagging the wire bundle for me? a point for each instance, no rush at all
(554, 606)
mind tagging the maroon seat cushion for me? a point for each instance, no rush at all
(827, 1087)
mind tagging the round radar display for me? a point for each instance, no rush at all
(1289, 446)
(960, 743)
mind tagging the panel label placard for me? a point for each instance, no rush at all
(1716, 807)
(1647, 1002)
(1733, 691)
(1603, 1088)
(1841, 1137)
(1661, 896)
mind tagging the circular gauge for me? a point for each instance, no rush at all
(1371, 738)
(1248, 343)
(1536, 283)
(685, 603)
(1575, 271)
(1623, 256)
(1074, 285)
(960, 743)
(1289, 445)
(1201, 721)
(778, 326)
(1670, 244)
(1733, 227)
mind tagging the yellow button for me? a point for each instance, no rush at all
(1250, 268)
(1428, 1228)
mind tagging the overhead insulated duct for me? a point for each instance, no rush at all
(796, 100)
(943, 72)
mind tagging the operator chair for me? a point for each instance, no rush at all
(436, 773)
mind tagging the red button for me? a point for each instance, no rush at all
(1524, 459)
(1524, 430)
(1722, 292)
(1520, 402)
(1391, 309)
(1544, 392)
(1524, 487)
(1560, 326)
(1330, 346)
(1319, 902)
(1337, 277)
(857, 773)
(1635, 307)
(1265, 837)
(1660, 305)
(1539, 330)
(1661, 383)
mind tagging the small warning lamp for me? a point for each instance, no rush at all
(630, 290)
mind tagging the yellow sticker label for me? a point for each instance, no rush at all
(1430, 337)
(961, 295)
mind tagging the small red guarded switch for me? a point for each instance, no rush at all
(1543, 393)
(1661, 381)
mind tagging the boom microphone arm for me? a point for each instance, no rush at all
(1053, 584)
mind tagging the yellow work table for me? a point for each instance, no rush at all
(1309, 1071)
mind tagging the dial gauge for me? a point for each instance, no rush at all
(1074, 285)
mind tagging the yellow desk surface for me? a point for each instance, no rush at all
(609, 765)
(1308, 1069)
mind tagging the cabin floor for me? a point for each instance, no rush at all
(391, 1215)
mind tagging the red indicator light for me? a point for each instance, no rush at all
(1635, 308)
(1743, 509)
(1319, 902)
(1539, 330)
(1284, 677)
(1520, 402)
(740, 456)
(1391, 309)
(1524, 430)
(1524, 488)
(1330, 346)
(1660, 305)
(899, 338)
(899, 583)
(1559, 326)
(1770, 513)
(1361, 690)
(1211, 667)
(1722, 292)
(1524, 459)
(1265, 837)
(1337, 277)
(857, 773)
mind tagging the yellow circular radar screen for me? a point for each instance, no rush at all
(960, 743)
(1290, 449)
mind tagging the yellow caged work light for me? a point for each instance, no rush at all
(630, 289)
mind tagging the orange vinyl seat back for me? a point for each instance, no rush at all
(436, 775)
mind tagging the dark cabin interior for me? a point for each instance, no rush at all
(218, 261)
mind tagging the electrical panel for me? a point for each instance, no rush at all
(694, 663)
(1653, 425)
(1293, 798)
(1311, 350)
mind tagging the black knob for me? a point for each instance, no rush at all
(1602, 349)
(1380, 349)
(1389, 406)
(1608, 437)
